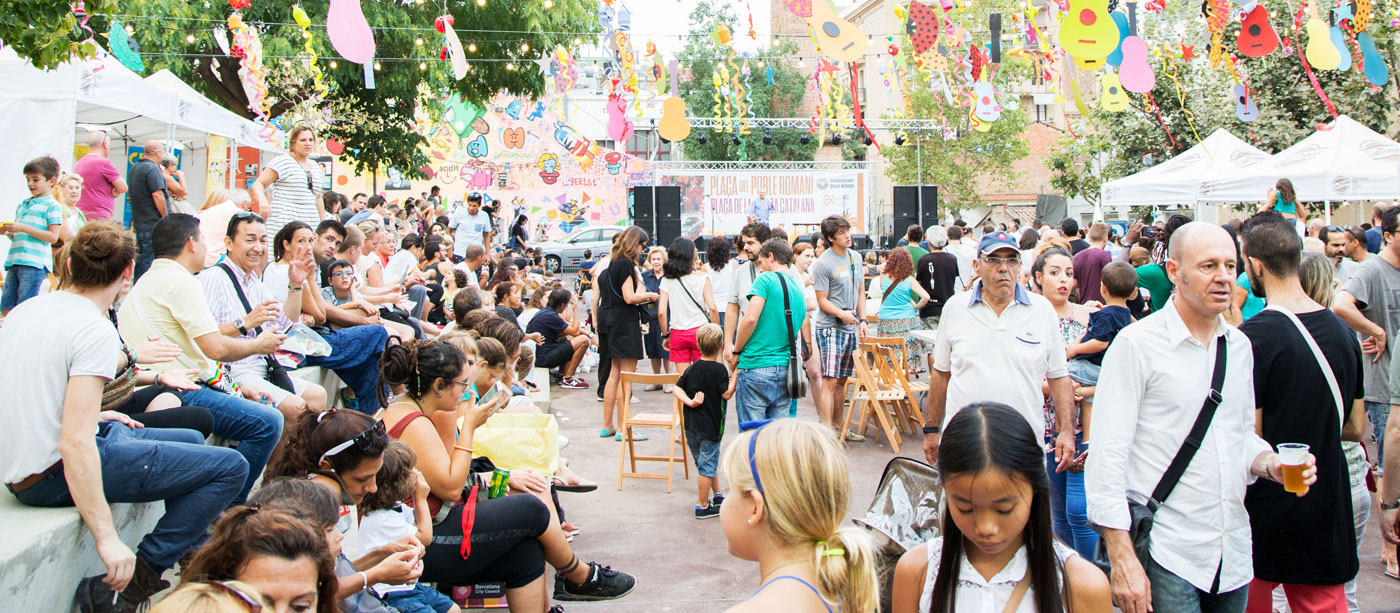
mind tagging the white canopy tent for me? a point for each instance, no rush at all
(1344, 160)
(47, 112)
(1180, 179)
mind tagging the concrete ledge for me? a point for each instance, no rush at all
(540, 377)
(324, 377)
(44, 552)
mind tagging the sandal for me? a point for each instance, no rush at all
(605, 433)
(636, 436)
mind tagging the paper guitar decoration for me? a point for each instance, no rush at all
(124, 47)
(922, 27)
(1113, 98)
(1119, 19)
(1372, 67)
(1245, 109)
(1339, 41)
(1088, 34)
(1134, 73)
(838, 39)
(1321, 53)
(674, 125)
(1257, 37)
(349, 32)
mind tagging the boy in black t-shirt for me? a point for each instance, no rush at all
(703, 388)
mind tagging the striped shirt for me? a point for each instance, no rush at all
(293, 195)
(39, 213)
(225, 306)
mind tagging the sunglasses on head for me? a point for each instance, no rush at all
(242, 215)
(248, 601)
(361, 441)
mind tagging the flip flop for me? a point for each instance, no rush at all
(1392, 575)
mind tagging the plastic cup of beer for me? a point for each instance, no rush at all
(1292, 456)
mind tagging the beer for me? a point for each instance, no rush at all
(1292, 456)
(1293, 479)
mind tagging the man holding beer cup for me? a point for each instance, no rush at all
(1306, 544)
(1156, 376)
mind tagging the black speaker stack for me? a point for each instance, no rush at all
(908, 210)
(657, 209)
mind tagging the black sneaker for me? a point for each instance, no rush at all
(706, 512)
(717, 500)
(603, 583)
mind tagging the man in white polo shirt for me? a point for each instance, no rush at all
(997, 342)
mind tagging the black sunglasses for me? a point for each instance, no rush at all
(242, 215)
(361, 441)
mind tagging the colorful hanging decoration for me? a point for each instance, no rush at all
(124, 48)
(1134, 72)
(1257, 37)
(318, 79)
(250, 70)
(451, 45)
(349, 32)
(1088, 34)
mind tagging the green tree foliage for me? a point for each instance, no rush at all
(1113, 145)
(959, 159)
(782, 99)
(46, 32)
(509, 36)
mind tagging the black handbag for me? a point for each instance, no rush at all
(797, 373)
(1140, 514)
(276, 373)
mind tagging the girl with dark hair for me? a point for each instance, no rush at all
(997, 522)
(687, 302)
(519, 233)
(899, 309)
(1053, 277)
(621, 312)
(501, 539)
(274, 551)
(505, 273)
(1284, 200)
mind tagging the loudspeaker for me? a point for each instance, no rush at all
(900, 228)
(658, 202)
(667, 231)
(906, 207)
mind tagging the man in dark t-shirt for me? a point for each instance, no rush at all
(1089, 263)
(148, 199)
(564, 343)
(936, 272)
(1306, 543)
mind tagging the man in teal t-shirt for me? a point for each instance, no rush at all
(764, 344)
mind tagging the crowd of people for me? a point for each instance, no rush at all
(1196, 354)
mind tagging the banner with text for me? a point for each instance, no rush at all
(721, 201)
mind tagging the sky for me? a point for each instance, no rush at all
(667, 22)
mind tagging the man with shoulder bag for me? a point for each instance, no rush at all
(769, 376)
(1183, 432)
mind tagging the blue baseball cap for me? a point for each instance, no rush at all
(996, 240)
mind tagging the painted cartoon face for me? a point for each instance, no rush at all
(986, 107)
(550, 165)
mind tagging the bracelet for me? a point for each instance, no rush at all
(293, 289)
(1390, 507)
(466, 449)
(366, 579)
(933, 429)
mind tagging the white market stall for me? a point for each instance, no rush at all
(48, 112)
(1341, 161)
(1180, 180)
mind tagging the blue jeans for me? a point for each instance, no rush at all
(21, 283)
(1379, 412)
(1172, 593)
(706, 454)
(145, 254)
(196, 482)
(761, 393)
(355, 359)
(419, 295)
(1069, 510)
(257, 428)
(1084, 371)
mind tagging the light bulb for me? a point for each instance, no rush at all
(189, 38)
(549, 4)
(418, 42)
(130, 30)
(471, 47)
(510, 66)
(333, 64)
(422, 66)
(524, 47)
(377, 66)
(481, 2)
(577, 41)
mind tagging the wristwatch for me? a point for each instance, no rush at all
(239, 324)
(1390, 507)
(933, 429)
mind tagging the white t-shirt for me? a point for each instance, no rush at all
(977, 593)
(685, 313)
(468, 229)
(379, 528)
(65, 336)
(722, 283)
(403, 263)
(472, 275)
(741, 281)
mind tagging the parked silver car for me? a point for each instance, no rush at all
(566, 254)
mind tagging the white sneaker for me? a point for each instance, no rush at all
(636, 400)
(563, 442)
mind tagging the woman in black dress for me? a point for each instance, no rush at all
(621, 311)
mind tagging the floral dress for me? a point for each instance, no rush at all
(1071, 330)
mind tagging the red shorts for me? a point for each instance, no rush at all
(1301, 598)
(684, 349)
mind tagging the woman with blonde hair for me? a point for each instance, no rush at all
(67, 191)
(211, 597)
(807, 561)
